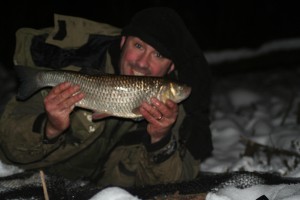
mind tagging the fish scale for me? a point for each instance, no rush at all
(112, 95)
(115, 99)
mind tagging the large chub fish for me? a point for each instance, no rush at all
(112, 95)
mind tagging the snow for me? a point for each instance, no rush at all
(243, 53)
(278, 192)
(260, 109)
(114, 193)
(6, 170)
(245, 113)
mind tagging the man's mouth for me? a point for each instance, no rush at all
(136, 73)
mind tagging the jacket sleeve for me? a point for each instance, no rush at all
(21, 132)
(143, 164)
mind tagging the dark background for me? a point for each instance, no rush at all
(216, 25)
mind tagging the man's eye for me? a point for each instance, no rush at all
(137, 45)
(158, 55)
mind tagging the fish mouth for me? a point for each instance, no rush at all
(188, 91)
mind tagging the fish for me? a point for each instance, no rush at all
(105, 94)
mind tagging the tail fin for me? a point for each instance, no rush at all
(28, 81)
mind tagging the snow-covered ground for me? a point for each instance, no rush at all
(256, 112)
(255, 126)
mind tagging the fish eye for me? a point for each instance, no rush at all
(179, 88)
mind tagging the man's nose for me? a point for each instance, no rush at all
(143, 60)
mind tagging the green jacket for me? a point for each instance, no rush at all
(110, 151)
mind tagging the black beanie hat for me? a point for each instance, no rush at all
(164, 29)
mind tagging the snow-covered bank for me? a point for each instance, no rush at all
(230, 55)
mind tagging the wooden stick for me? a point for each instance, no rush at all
(252, 147)
(44, 185)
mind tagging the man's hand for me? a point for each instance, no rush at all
(59, 103)
(161, 117)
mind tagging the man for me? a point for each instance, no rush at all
(47, 132)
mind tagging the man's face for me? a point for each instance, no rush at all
(141, 59)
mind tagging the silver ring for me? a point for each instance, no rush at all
(160, 117)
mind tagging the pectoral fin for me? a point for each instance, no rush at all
(97, 115)
(136, 111)
(138, 119)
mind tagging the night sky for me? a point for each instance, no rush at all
(216, 25)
